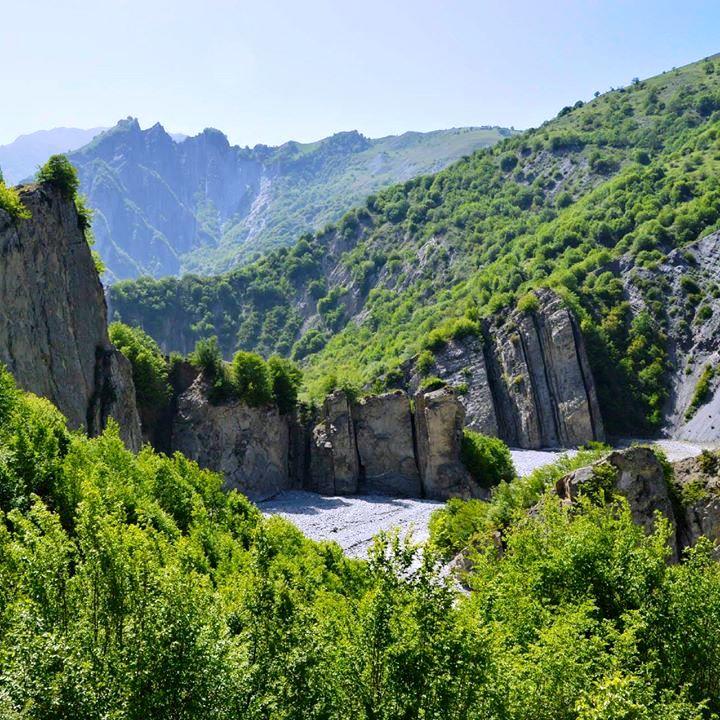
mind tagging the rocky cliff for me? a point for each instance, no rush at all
(687, 285)
(53, 325)
(527, 379)
(377, 444)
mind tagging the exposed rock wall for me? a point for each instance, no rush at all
(386, 448)
(249, 446)
(379, 444)
(53, 319)
(375, 445)
(527, 380)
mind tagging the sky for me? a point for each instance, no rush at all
(275, 70)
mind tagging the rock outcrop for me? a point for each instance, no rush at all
(248, 445)
(697, 484)
(378, 444)
(439, 421)
(635, 473)
(386, 449)
(53, 318)
(527, 380)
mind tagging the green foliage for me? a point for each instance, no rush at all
(134, 586)
(630, 174)
(702, 391)
(59, 171)
(285, 380)
(150, 371)
(528, 303)
(487, 459)
(251, 379)
(11, 203)
(430, 383)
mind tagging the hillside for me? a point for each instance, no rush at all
(22, 157)
(202, 205)
(582, 204)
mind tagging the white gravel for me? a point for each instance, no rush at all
(353, 521)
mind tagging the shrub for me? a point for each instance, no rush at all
(10, 202)
(425, 361)
(702, 391)
(528, 303)
(285, 380)
(59, 171)
(207, 357)
(251, 379)
(432, 383)
(487, 459)
(150, 372)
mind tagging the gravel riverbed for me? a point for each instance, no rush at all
(353, 521)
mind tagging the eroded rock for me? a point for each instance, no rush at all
(248, 445)
(53, 318)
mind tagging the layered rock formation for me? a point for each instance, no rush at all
(53, 324)
(527, 379)
(375, 445)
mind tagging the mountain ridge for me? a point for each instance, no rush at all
(205, 205)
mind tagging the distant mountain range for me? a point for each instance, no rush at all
(205, 206)
(20, 158)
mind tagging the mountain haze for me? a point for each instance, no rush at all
(202, 205)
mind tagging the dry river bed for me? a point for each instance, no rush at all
(353, 521)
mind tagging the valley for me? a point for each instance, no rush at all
(454, 455)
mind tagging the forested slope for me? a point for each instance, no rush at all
(631, 175)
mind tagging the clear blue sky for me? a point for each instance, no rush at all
(274, 70)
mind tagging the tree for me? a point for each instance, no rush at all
(251, 378)
(285, 379)
(59, 171)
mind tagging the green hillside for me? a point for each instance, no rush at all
(577, 204)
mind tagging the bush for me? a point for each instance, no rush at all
(487, 459)
(150, 372)
(425, 361)
(10, 202)
(251, 379)
(285, 380)
(528, 303)
(702, 391)
(207, 358)
(431, 383)
(59, 171)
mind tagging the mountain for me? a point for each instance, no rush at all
(593, 204)
(21, 158)
(202, 205)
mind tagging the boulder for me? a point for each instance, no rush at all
(635, 473)
(248, 445)
(386, 449)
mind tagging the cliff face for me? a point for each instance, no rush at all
(53, 325)
(249, 446)
(375, 445)
(527, 379)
